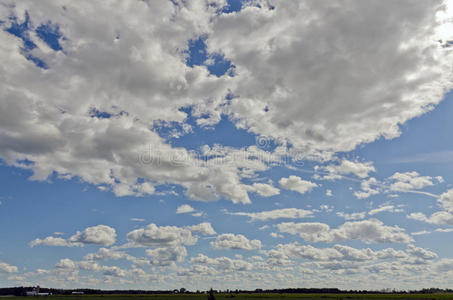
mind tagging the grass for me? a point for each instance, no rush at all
(438, 296)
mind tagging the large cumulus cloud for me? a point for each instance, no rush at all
(323, 77)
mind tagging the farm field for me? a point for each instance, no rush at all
(250, 296)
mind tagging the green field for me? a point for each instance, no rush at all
(247, 296)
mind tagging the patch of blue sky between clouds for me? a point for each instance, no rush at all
(215, 62)
(233, 6)
(224, 133)
(48, 33)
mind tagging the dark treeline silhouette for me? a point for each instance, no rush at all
(21, 291)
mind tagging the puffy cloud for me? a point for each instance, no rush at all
(438, 218)
(311, 231)
(114, 271)
(443, 217)
(330, 94)
(225, 264)
(167, 256)
(295, 183)
(409, 181)
(99, 119)
(368, 231)
(338, 252)
(74, 128)
(7, 268)
(185, 208)
(53, 241)
(265, 190)
(346, 167)
(276, 235)
(89, 265)
(204, 228)
(341, 257)
(235, 241)
(161, 236)
(421, 253)
(284, 213)
(444, 265)
(98, 235)
(446, 200)
(105, 254)
(369, 187)
(66, 264)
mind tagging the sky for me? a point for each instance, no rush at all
(226, 144)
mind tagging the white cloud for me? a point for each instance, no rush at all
(421, 253)
(346, 167)
(284, 213)
(336, 253)
(113, 271)
(423, 232)
(438, 218)
(161, 236)
(409, 181)
(295, 183)
(444, 230)
(265, 190)
(443, 217)
(137, 219)
(66, 264)
(444, 265)
(368, 231)
(235, 241)
(329, 193)
(387, 208)
(98, 235)
(167, 256)
(150, 81)
(369, 187)
(321, 96)
(276, 235)
(53, 241)
(7, 268)
(352, 216)
(185, 208)
(204, 228)
(144, 89)
(225, 264)
(106, 254)
(446, 200)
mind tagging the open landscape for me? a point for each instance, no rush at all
(185, 149)
(434, 296)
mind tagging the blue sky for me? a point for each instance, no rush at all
(225, 144)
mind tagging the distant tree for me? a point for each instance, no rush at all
(182, 290)
(211, 294)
